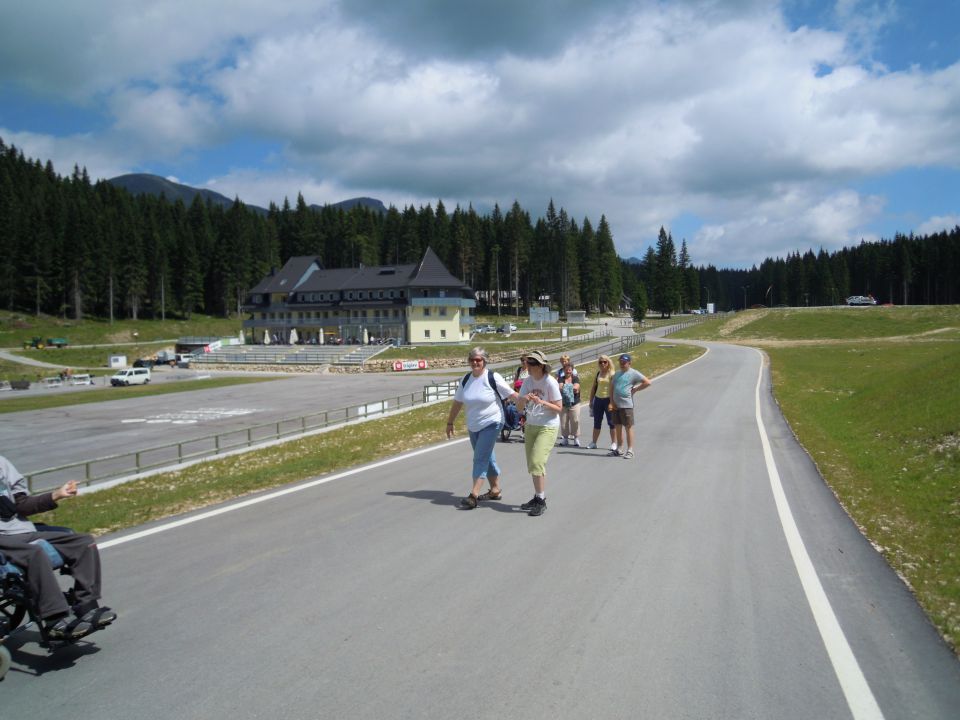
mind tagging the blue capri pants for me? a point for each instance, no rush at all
(601, 407)
(484, 458)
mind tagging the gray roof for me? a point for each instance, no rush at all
(295, 272)
(431, 272)
(305, 274)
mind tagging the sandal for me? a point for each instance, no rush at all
(490, 495)
(66, 629)
(469, 502)
(99, 617)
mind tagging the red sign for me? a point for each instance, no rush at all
(399, 365)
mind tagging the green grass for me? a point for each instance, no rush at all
(219, 480)
(873, 395)
(830, 324)
(92, 358)
(882, 422)
(17, 328)
(16, 401)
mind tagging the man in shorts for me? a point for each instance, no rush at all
(626, 381)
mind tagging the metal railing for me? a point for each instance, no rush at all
(169, 455)
(209, 446)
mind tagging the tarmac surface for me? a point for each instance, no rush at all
(714, 576)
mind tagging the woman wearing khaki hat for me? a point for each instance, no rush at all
(540, 397)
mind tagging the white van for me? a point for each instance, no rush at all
(131, 376)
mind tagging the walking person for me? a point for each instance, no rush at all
(521, 374)
(481, 391)
(540, 397)
(600, 401)
(626, 381)
(569, 380)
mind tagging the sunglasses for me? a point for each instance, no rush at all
(604, 362)
(475, 360)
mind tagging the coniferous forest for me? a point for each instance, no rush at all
(73, 248)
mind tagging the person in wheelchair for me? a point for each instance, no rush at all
(79, 551)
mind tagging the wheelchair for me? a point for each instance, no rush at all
(513, 420)
(16, 601)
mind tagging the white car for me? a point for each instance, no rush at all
(131, 376)
(861, 300)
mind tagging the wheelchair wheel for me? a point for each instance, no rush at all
(4, 661)
(11, 615)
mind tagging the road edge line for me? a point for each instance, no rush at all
(268, 496)
(860, 699)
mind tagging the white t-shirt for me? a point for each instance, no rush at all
(481, 402)
(548, 389)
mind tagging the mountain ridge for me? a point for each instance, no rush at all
(149, 184)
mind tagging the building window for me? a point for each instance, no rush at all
(380, 294)
(442, 293)
(426, 312)
(391, 294)
(350, 295)
(426, 334)
(443, 334)
(443, 312)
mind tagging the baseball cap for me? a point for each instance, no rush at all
(625, 358)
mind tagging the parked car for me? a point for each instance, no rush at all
(131, 376)
(485, 329)
(861, 300)
(507, 327)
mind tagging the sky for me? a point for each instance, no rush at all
(748, 128)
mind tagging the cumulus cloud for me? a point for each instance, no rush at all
(938, 224)
(643, 111)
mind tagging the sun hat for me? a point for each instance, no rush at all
(536, 356)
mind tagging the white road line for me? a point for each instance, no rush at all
(857, 692)
(269, 496)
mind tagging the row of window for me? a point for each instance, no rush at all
(326, 314)
(351, 295)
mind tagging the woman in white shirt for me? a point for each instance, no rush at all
(481, 391)
(540, 396)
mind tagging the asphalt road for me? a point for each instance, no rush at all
(664, 587)
(42, 439)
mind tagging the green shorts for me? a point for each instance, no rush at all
(538, 441)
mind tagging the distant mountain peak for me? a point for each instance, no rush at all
(147, 184)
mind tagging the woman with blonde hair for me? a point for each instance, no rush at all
(540, 397)
(600, 401)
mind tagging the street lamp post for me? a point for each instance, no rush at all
(745, 287)
(708, 293)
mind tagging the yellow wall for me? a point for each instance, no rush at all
(419, 323)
